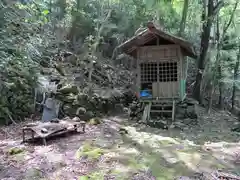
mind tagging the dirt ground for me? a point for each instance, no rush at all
(141, 153)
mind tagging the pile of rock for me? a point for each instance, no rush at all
(187, 109)
(78, 97)
(85, 104)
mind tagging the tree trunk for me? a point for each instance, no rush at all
(207, 18)
(220, 85)
(217, 74)
(219, 67)
(235, 76)
(216, 45)
(207, 23)
(90, 71)
(184, 17)
(211, 99)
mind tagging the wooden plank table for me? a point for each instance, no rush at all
(45, 130)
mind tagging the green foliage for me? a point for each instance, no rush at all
(25, 40)
(17, 69)
(229, 41)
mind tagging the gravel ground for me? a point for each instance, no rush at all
(58, 160)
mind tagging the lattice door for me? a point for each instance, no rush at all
(168, 81)
(149, 72)
(149, 75)
(161, 78)
(168, 72)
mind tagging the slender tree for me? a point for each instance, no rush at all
(207, 18)
(184, 18)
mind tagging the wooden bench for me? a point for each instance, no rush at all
(45, 130)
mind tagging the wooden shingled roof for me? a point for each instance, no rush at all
(129, 47)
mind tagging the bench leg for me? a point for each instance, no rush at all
(32, 133)
(23, 135)
(83, 128)
(44, 141)
(75, 128)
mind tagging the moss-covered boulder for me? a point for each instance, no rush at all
(122, 131)
(73, 60)
(76, 119)
(15, 150)
(69, 109)
(87, 116)
(33, 174)
(95, 121)
(46, 71)
(89, 151)
(68, 89)
(81, 111)
(82, 98)
(59, 69)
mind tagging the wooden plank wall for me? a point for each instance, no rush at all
(163, 53)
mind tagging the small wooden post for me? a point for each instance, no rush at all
(173, 111)
(149, 111)
(83, 124)
(32, 133)
(23, 135)
(144, 117)
(44, 141)
(146, 112)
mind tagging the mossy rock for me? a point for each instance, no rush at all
(123, 131)
(93, 176)
(73, 60)
(15, 150)
(33, 174)
(82, 97)
(81, 111)
(89, 151)
(46, 71)
(60, 96)
(236, 127)
(95, 121)
(68, 89)
(87, 116)
(70, 98)
(191, 112)
(83, 178)
(69, 109)
(60, 69)
(45, 63)
(96, 176)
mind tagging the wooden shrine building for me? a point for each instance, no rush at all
(161, 68)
